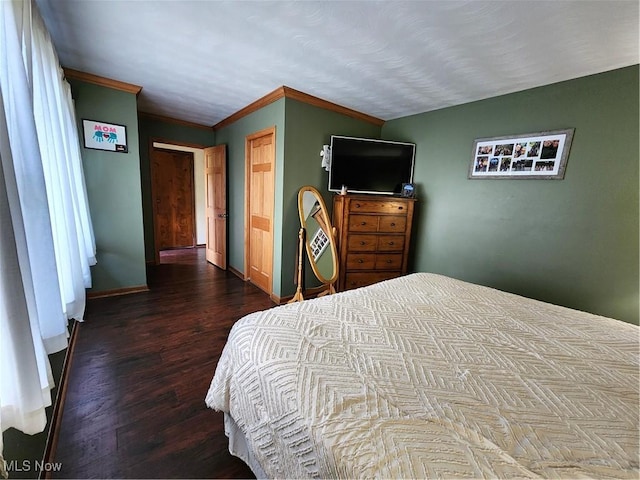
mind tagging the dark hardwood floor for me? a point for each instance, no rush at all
(141, 369)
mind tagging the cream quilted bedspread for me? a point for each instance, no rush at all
(425, 376)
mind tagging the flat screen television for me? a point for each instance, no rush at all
(366, 165)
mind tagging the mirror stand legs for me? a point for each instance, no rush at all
(298, 296)
(329, 291)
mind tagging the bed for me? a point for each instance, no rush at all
(426, 376)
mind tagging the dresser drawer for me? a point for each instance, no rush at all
(363, 223)
(388, 261)
(377, 206)
(362, 243)
(361, 261)
(355, 280)
(390, 243)
(374, 261)
(392, 223)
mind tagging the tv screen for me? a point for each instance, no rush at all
(365, 165)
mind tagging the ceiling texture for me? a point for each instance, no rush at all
(201, 61)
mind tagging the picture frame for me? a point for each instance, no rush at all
(408, 190)
(541, 155)
(319, 243)
(104, 136)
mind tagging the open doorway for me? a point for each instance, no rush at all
(178, 199)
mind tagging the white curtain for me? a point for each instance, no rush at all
(58, 139)
(46, 238)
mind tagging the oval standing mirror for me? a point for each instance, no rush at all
(319, 240)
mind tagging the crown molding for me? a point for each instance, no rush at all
(162, 118)
(334, 107)
(288, 92)
(262, 102)
(102, 81)
(277, 94)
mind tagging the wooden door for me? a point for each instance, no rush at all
(259, 200)
(172, 193)
(215, 186)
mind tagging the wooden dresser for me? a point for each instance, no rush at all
(373, 235)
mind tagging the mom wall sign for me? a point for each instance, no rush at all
(104, 136)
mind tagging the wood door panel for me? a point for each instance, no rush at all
(261, 223)
(216, 204)
(173, 199)
(260, 267)
(260, 197)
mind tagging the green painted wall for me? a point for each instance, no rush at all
(153, 129)
(113, 188)
(307, 129)
(301, 130)
(572, 242)
(234, 136)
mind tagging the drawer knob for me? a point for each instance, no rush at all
(363, 243)
(400, 208)
(363, 223)
(391, 243)
(360, 260)
(393, 224)
(388, 261)
(357, 205)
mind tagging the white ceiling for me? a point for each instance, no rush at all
(202, 61)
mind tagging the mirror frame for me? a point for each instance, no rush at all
(332, 239)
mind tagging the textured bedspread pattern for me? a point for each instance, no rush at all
(425, 376)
